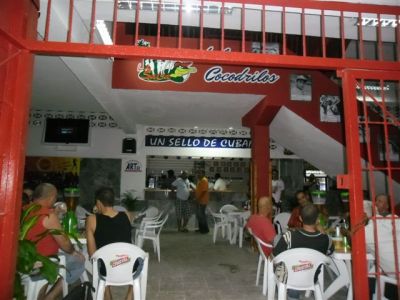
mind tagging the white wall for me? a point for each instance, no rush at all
(106, 142)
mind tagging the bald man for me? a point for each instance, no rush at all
(261, 223)
(386, 243)
(382, 205)
(45, 195)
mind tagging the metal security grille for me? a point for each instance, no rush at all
(372, 123)
(323, 34)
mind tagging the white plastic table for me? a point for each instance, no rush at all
(342, 260)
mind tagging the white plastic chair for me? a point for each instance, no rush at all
(267, 277)
(226, 209)
(242, 223)
(151, 212)
(382, 282)
(140, 227)
(280, 222)
(119, 260)
(220, 222)
(151, 231)
(301, 265)
(32, 286)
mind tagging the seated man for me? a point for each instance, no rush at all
(107, 226)
(385, 242)
(261, 224)
(220, 184)
(45, 195)
(306, 237)
(303, 198)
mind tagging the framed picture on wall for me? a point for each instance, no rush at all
(329, 108)
(270, 48)
(300, 87)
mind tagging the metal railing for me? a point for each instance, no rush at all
(297, 28)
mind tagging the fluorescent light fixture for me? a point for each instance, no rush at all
(230, 128)
(375, 92)
(174, 7)
(103, 31)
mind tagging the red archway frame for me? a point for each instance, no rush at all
(18, 21)
(353, 181)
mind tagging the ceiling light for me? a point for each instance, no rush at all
(103, 31)
(174, 7)
(230, 128)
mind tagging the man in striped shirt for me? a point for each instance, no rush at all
(306, 237)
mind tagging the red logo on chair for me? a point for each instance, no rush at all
(120, 261)
(304, 265)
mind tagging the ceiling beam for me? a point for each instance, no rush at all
(202, 56)
(262, 113)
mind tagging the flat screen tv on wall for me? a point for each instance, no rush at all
(67, 131)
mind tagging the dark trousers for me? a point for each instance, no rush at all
(202, 218)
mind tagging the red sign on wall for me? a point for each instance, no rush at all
(150, 74)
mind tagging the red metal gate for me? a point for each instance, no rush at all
(372, 112)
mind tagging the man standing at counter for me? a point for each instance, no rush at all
(202, 197)
(182, 207)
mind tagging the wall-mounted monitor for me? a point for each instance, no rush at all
(67, 131)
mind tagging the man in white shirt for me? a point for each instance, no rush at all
(277, 187)
(182, 207)
(384, 235)
(220, 184)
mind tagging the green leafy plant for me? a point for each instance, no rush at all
(29, 261)
(128, 200)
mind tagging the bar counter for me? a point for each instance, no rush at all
(164, 199)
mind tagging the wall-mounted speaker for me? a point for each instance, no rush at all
(129, 145)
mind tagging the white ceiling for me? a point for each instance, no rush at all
(82, 84)
(55, 87)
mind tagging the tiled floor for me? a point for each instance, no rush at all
(192, 267)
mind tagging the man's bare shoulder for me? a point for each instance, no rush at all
(51, 221)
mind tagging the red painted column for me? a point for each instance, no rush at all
(260, 163)
(17, 19)
(360, 282)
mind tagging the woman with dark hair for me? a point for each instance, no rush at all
(303, 198)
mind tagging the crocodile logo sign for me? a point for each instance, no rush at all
(155, 70)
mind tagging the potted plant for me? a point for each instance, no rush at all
(29, 261)
(129, 199)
